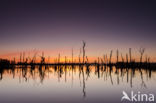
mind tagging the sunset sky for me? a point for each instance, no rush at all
(58, 26)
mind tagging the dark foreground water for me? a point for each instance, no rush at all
(73, 84)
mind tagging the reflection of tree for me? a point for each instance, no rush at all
(72, 75)
(65, 73)
(24, 72)
(131, 79)
(110, 71)
(87, 72)
(117, 73)
(105, 72)
(97, 70)
(150, 73)
(1, 73)
(40, 72)
(80, 74)
(127, 70)
(142, 83)
(84, 88)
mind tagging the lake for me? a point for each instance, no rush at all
(73, 84)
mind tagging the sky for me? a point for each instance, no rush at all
(57, 26)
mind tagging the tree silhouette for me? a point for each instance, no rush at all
(141, 50)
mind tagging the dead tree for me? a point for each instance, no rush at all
(84, 44)
(20, 57)
(33, 60)
(80, 56)
(102, 62)
(127, 58)
(104, 59)
(87, 59)
(117, 56)
(59, 58)
(148, 60)
(98, 60)
(122, 58)
(130, 55)
(141, 50)
(110, 59)
(14, 60)
(23, 57)
(42, 58)
(26, 61)
(72, 55)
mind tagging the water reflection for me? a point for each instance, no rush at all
(39, 73)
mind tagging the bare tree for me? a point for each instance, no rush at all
(148, 60)
(98, 60)
(110, 59)
(117, 56)
(59, 58)
(122, 58)
(87, 59)
(23, 56)
(72, 55)
(141, 50)
(84, 44)
(42, 58)
(14, 60)
(34, 58)
(127, 58)
(130, 55)
(102, 61)
(104, 58)
(80, 56)
(20, 57)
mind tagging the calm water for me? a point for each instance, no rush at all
(73, 84)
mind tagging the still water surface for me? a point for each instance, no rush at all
(73, 84)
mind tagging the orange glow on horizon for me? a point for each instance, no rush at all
(52, 56)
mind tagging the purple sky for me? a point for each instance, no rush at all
(62, 25)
